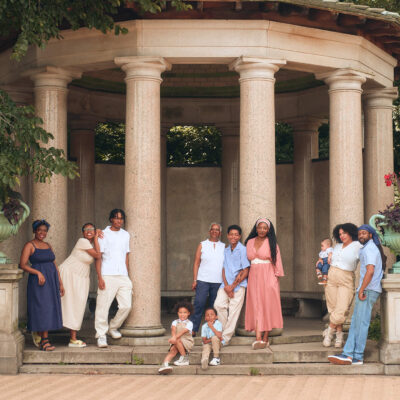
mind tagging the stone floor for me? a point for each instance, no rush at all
(60, 387)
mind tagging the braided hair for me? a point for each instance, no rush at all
(271, 239)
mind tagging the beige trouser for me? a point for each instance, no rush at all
(228, 310)
(116, 286)
(339, 294)
(215, 345)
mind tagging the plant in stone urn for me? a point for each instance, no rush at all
(21, 154)
(387, 222)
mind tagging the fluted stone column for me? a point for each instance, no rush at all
(163, 166)
(257, 139)
(50, 199)
(82, 148)
(305, 133)
(143, 190)
(378, 148)
(230, 176)
(346, 194)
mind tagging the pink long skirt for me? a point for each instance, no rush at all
(263, 301)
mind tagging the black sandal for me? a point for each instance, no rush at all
(45, 345)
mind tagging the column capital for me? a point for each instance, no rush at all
(143, 68)
(344, 79)
(256, 68)
(52, 76)
(380, 98)
(306, 124)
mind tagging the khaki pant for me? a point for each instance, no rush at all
(215, 345)
(339, 294)
(116, 286)
(228, 310)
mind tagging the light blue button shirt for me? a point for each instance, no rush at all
(207, 332)
(234, 262)
(370, 255)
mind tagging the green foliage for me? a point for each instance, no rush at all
(35, 22)
(21, 153)
(110, 143)
(283, 143)
(323, 142)
(254, 371)
(137, 360)
(193, 145)
(374, 331)
(390, 5)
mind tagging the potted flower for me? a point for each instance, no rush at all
(22, 154)
(387, 222)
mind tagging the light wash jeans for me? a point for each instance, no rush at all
(360, 321)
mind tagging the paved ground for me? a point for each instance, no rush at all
(80, 387)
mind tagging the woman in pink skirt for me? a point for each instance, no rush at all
(263, 304)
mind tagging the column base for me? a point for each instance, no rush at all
(389, 353)
(145, 331)
(242, 332)
(11, 349)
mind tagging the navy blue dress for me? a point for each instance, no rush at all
(44, 302)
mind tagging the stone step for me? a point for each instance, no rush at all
(154, 355)
(256, 369)
(89, 355)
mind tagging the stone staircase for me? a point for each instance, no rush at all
(289, 355)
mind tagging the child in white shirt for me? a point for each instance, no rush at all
(324, 261)
(181, 339)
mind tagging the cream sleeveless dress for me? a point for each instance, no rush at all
(75, 275)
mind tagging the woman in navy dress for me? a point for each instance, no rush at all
(44, 285)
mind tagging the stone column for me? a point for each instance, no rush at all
(390, 342)
(50, 199)
(378, 148)
(346, 194)
(305, 133)
(11, 339)
(257, 139)
(82, 149)
(230, 176)
(143, 190)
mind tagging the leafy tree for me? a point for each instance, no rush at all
(390, 5)
(283, 143)
(110, 143)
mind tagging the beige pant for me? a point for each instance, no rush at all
(339, 294)
(228, 310)
(116, 286)
(215, 345)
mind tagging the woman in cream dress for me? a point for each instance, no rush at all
(75, 273)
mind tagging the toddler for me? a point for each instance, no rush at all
(324, 261)
(211, 335)
(181, 340)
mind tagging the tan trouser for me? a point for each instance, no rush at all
(228, 310)
(339, 294)
(215, 345)
(116, 286)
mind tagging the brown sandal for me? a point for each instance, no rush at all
(45, 345)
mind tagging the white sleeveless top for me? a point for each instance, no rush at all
(211, 262)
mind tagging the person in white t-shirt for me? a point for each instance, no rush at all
(113, 279)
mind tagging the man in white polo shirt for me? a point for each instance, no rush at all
(113, 279)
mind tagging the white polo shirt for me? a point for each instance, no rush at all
(114, 246)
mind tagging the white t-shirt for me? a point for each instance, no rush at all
(325, 253)
(347, 258)
(114, 246)
(188, 324)
(211, 262)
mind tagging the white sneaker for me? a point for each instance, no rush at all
(204, 363)
(215, 361)
(102, 341)
(183, 360)
(328, 336)
(165, 369)
(115, 333)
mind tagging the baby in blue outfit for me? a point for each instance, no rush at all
(324, 261)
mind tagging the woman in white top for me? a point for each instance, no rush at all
(207, 273)
(75, 273)
(339, 291)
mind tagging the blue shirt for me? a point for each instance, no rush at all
(234, 262)
(207, 332)
(370, 255)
